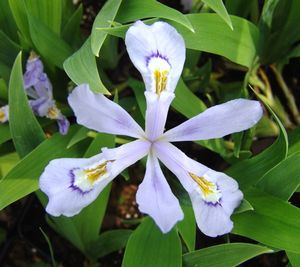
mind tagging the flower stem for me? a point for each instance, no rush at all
(288, 94)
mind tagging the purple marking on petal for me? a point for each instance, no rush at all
(63, 125)
(74, 187)
(156, 55)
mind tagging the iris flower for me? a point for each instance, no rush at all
(158, 52)
(39, 88)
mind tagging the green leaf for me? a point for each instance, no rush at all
(244, 206)
(79, 136)
(228, 255)
(18, 9)
(282, 180)
(48, 12)
(104, 19)
(220, 9)
(7, 21)
(294, 258)
(249, 171)
(109, 242)
(211, 35)
(8, 49)
(187, 227)
(81, 67)
(148, 247)
(134, 10)
(23, 178)
(71, 30)
(4, 133)
(25, 129)
(48, 43)
(7, 162)
(273, 222)
(138, 88)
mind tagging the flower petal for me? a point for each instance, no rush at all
(34, 68)
(156, 113)
(4, 114)
(65, 198)
(218, 121)
(214, 195)
(160, 48)
(97, 112)
(63, 124)
(178, 163)
(125, 155)
(72, 184)
(156, 199)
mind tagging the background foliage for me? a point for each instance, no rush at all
(230, 44)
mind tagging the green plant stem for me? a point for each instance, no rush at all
(287, 93)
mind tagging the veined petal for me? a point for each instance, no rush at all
(156, 113)
(72, 184)
(156, 199)
(4, 114)
(34, 68)
(214, 195)
(63, 124)
(158, 52)
(97, 112)
(218, 121)
(126, 155)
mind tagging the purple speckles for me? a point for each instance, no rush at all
(75, 187)
(156, 54)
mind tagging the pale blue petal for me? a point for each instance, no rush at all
(156, 199)
(160, 40)
(63, 124)
(97, 112)
(56, 183)
(213, 218)
(218, 121)
(125, 155)
(34, 68)
(156, 113)
(67, 198)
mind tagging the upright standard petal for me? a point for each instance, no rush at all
(214, 195)
(218, 121)
(158, 52)
(156, 113)
(34, 68)
(72, 184)
(156, 199)
(97, 112)
(4, 114)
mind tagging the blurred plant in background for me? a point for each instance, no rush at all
(235, 49)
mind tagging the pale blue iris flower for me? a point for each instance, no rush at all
(39, 88)
(158, 52)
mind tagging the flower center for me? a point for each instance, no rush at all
(53, 112)
(85, 179)
(159, 69)
(207, 189)
(2, 116)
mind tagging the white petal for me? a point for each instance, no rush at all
(97, 112)
(218, 121)
(160, 40)
(156, 199)
(4, 114)
(156, 113)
